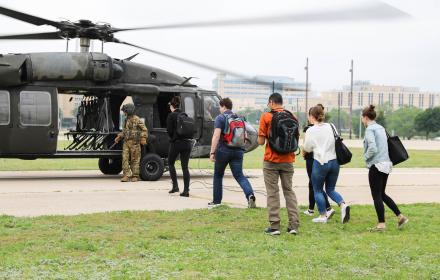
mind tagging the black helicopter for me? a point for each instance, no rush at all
(30, 85)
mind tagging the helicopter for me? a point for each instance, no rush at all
(31, 83)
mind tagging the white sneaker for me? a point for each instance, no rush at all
(330, 213)
(309, 212)
(345, 213)
(213, 205)
(320, 220)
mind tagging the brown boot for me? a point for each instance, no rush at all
(135, 179)
(125, 179)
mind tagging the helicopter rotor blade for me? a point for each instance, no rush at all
(27, 18)
(198, 64)
(33, 36)
(372, 11)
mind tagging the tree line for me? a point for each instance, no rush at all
(406, 122)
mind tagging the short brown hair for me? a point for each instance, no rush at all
(318, 113)
(226, 102)
(369, 112)
(175, 102)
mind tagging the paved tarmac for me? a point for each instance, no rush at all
(36, 193)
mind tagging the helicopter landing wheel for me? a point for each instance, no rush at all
(152, 167)
(110, 166)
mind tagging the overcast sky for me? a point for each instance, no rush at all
(403, 52)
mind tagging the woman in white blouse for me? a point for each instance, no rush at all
(320, 140)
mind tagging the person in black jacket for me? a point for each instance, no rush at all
(178, 146)
(309, 164)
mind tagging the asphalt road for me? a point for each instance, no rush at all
(35, 193)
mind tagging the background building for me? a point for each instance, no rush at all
(365, 93)
(254, 95)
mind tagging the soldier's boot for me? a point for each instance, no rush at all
(135, 179)
(125, 179)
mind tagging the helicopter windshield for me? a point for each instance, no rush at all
(211, 107)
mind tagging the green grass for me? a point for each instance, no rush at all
(223, 243)
(252, 160)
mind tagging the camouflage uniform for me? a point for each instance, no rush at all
(134, 130)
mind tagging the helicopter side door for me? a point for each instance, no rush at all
(33, 121)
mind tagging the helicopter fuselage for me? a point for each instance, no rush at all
(29, 118)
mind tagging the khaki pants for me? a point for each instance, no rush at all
(272, 171)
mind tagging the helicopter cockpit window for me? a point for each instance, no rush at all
(211, 107)
(5, 113)
(35, 108)
(189, 106)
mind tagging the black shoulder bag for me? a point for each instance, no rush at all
(396, 150)
(343, 154)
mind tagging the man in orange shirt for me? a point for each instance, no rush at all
(277, 165)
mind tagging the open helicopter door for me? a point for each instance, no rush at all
(33, 121)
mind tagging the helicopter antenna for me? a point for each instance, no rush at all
(131, 57)
(187, 80)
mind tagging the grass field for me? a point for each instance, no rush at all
(253, 160)
(222, 243)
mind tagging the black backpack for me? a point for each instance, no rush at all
(284, 132)
(185, 126)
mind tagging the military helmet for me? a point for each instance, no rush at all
(128, 108)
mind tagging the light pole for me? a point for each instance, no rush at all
(339, 111)
(350, 99)
(307, 89)
(297, 107)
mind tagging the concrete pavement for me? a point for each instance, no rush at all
(35, 193)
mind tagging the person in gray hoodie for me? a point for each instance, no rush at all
(380, 166)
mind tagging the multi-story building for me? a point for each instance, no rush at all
(365, 93)
(253, 94)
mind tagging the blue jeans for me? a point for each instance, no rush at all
(234, 158)
(325, 174)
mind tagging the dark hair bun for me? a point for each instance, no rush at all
(320, 105)
(369, 112)
(175, 101)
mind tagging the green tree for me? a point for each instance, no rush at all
(356, 124)
(332, 117)
(252, 115)
(428, 121)
(380, 118)
(402, 122)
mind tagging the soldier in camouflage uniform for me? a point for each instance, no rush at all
(134, 134)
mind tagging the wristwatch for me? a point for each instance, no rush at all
(212, 154)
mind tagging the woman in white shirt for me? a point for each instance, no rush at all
(320, 140)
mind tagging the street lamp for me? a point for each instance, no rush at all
(339, 111)
(350, 99)
(307, 89)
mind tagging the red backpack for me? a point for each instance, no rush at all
(234, 134)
